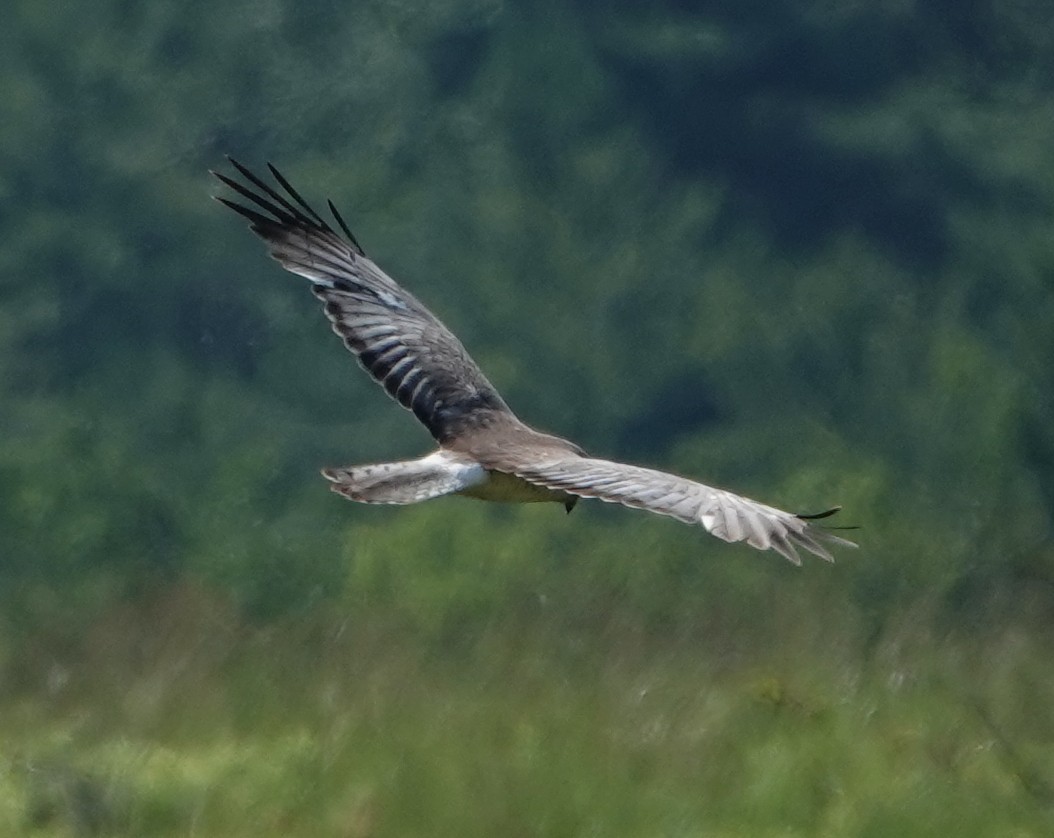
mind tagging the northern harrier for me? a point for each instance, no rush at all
(484, 450)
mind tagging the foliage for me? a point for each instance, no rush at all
(858, 238)
(350, 727)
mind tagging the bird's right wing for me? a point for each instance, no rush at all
(396, 339)
(726, 515)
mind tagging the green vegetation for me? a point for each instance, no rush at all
(802, 249)
(174, 718)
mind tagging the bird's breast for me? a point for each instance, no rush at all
(508, 488)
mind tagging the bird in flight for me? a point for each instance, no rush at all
(484, 451)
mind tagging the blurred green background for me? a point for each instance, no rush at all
(800, 248)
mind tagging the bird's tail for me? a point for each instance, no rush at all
(404, 482)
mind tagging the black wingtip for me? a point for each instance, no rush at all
(278, 176)
(816, 516)
(292, 212)
(344, 227)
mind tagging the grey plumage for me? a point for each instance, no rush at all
(723, 514)
(412, 481)
(396, 339)
(485, 451)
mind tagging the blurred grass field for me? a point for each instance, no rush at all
(176, 717)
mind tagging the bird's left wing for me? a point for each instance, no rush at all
(396, 339)
(723, 514)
